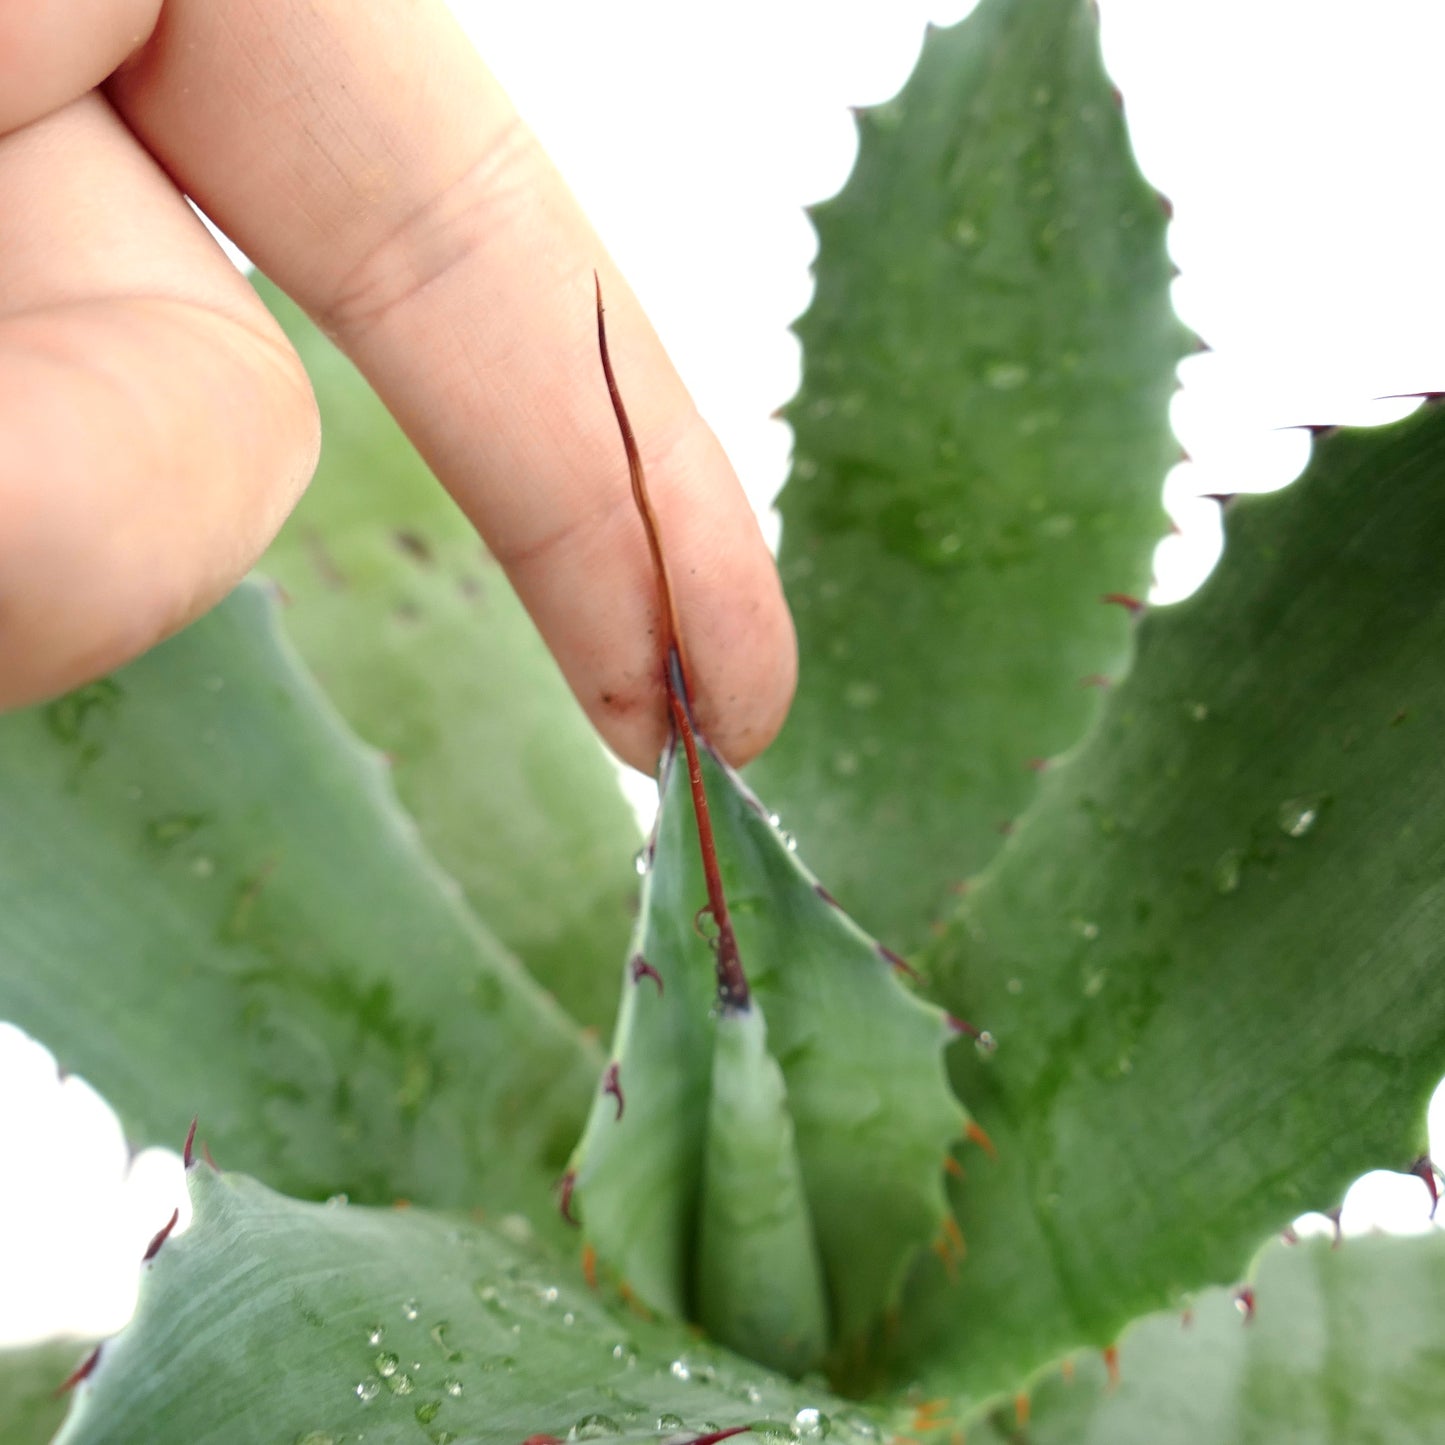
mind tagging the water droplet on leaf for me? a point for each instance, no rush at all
(410, 1309)
(1298, 815)
(387, 1365)
(368, 1389)
(452, 1386)
(427, 1411)
(594, 1427)
(679, 1370)
(811, 1424)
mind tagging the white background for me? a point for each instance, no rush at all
(1299, 143)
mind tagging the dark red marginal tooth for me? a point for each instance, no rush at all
(825, 895)
(565, 1185)
(81, 1372)
(1165, 205)
(1096, 679)
(206, 1155)
(1223, 498)
(1005, 827)
(717, 1435)
(898, 963)
(1244, 1302)
(641, 969)
(1111, 1365)
(612, 1084)
(1038, 765)
(1288, 1235)
(542, 1440)
(187, 1155)
(1413, 396)
(1335, 1216)
(981, 1037)
(1424, 1168)
(161, 1235)
(1132, 605)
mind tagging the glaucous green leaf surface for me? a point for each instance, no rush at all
(980, 441)
(1344, 1345)
(417, 637)
(1212, 953)
(210, 903)
(852, 1098)
(271, 1320)
(30, 1411)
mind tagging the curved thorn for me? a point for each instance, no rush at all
(898, 963)
(187, 1156)
(1132, 605)
(1244, 1302)
(565, 1185)
(161, 1235)
(80, 1372)
(641, 969)
(612, 1084)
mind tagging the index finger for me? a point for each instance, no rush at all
(363, 156)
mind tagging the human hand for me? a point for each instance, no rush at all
(155, 426)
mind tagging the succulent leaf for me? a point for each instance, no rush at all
(1212, 952)
(209, 900)
(854, 1088)
(980, 439)
(1342, 1344)
(418, 639)
(273, 1320)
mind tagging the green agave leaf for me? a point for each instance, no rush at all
(980, 439)
(773, 1171)
(1212, 954)
(418, 638)
(30, 1409)
(1344, 1345)
(210, 901)
(275, 1321)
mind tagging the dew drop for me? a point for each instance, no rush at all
(811, 1423)
(1086, 929)
(452, 1386)
(861, 694)
(547, 1294)
(376, 1334)
(399, 1384)
(965, 232)
(845, 762)
(1198, 711)
(316, 1437)
(679, 1370)
(985, 1043)
(1015, 985)
(1094, 984)
(1297, 816)
(752, 1395)
(336, 1201)
(569, 1318)
(427, 1411)
(203, 867)
(775, 820)
(1227, 870)
(410, 1309)
(368, 1389)
(671, 1422)
(387, 1365)
(790, 843)
(594, 1427)
(641, 863)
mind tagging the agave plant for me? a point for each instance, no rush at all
(365, 912)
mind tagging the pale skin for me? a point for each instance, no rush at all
(156, 427)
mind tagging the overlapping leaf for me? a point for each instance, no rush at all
(271, 1320)
(1343, 1344)
(773, 1170)
(980, 441)
(210, 901)
(1212, 954)
(418, 639)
